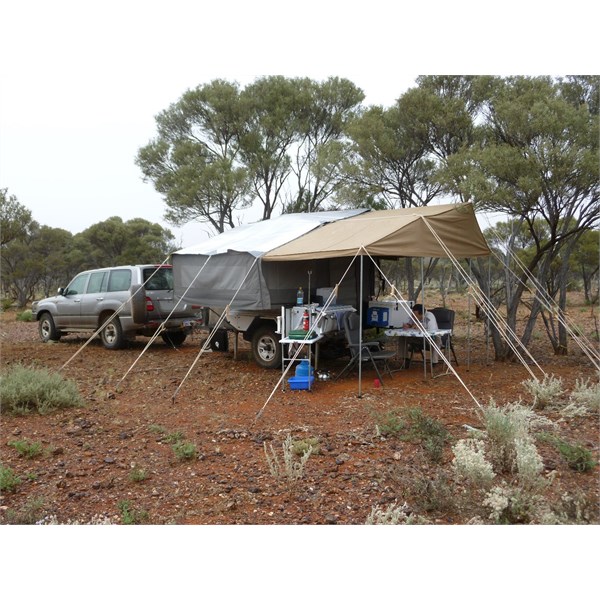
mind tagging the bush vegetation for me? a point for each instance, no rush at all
(29, 514)
(8, 480)
(184, 450)
(414, 425)
(292, 469)
(24, 390)
(26, 448)
(544, 392)
(131, 515)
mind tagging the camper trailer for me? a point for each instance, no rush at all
(248, 278)
(257, 298)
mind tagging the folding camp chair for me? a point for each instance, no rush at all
(445, 320)
(370, 351)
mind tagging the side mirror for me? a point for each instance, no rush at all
(61, 291)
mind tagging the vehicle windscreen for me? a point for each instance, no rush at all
(162, 279)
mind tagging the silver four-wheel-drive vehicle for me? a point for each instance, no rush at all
(122, 302)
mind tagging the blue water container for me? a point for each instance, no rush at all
(304, 369)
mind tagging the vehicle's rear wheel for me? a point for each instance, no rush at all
(266, 348)
(47, 329)
(112, 333)
(174, 338)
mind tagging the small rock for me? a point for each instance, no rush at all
(109, 460)
(342, 458)
(331, 519)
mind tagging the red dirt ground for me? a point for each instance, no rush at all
(90, 453)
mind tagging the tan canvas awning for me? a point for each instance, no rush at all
(389, 233)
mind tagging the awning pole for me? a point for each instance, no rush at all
(424, 320)
(469, 322)
(360, 332)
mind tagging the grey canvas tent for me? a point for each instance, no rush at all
(266, 262)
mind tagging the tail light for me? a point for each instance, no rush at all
(149, 305)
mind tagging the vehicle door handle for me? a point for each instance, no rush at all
(76, 299)
(99, 299)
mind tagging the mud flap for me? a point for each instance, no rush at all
(220, 341)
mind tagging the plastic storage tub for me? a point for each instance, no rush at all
(300, 382)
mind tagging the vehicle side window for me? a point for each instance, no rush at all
(161, 279)
(120, 280)
(77, 286)
(97, 282)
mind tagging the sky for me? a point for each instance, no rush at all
(81, 82)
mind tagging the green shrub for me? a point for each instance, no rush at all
(389, 424)
(173, 438)
(184, 450)
(130, 515)
(432, 434)
(157, 430)
(8, 480)
(136, 474)
(26, 448)
(29, 514)
(24, 390)
(5, 304)
(300, 447)
(578, 458)
(25, 316)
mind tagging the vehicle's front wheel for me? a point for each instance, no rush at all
(112, 333)
(47, 329)
(266, 348)
(174, 338)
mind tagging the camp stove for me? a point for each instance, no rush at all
(327, 320)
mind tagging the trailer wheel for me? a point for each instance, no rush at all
(266, 348)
